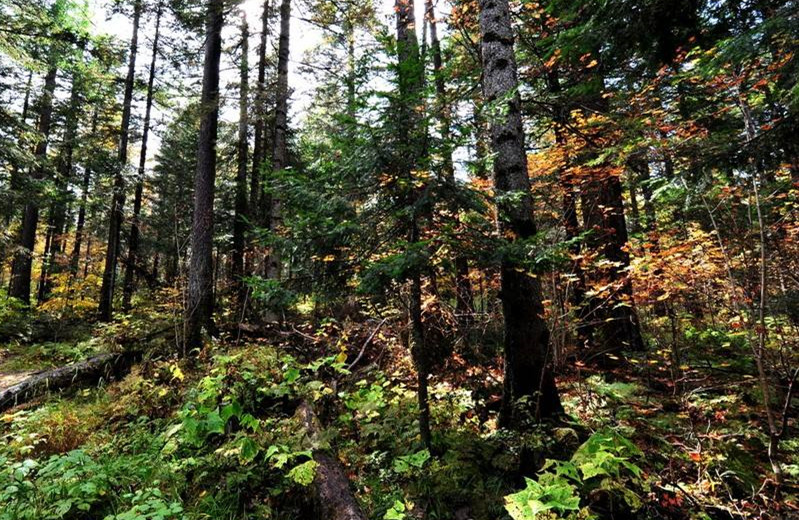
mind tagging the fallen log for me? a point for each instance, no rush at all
(85, 373)
(333, 499)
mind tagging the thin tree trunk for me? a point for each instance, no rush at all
(23, 258)
(133, 242)
(48, 238)
(259, 148)
(200, 304)
(646, 190)
(411, 140)
(528, 358)
(632, 186)
(84, 196)
(464, 299)
(349, 31)
(280, 147)
(116, 215)
(240, 219)
(584, 328)
(759, 350)
(88, 258)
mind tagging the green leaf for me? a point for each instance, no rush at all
(291, 375)
(304, 473)
(213, 423)
(248, 450)
(397, 511)
(231, 410)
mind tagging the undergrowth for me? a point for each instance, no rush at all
(216, 437)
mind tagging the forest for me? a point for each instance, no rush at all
(399, 259)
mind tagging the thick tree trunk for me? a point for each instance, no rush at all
(333, 499)
(200, 305)
(528, 359)
(615, 317)
(133, 242)
(280, 146)
(240, 218)
(23, 258)
(117, 215)
(100, 367)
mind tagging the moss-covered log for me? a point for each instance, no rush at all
(333, 499)
(101, 367)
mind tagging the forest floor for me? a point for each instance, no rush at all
(217, 436)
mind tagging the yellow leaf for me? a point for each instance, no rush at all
(177, 373)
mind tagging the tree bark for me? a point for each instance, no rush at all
(23, 258)
(200, 305)
(259, 148)
(116, 215)
(615, 317)
(133, 242)
(240, 218)
(280, 147)
(528, 359)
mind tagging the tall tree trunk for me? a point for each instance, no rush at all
(528, 359)
(133, 242)
(200, 305)
(259, 146)
(23, 258)
(16, 173)
(84, 197)
(14, 183)
(116, 215)
(349, 32)
(280, 147)
(410, 74)
(51, 263)
(240, 219)
(464, 300)
(615, 317)
(616, 321)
